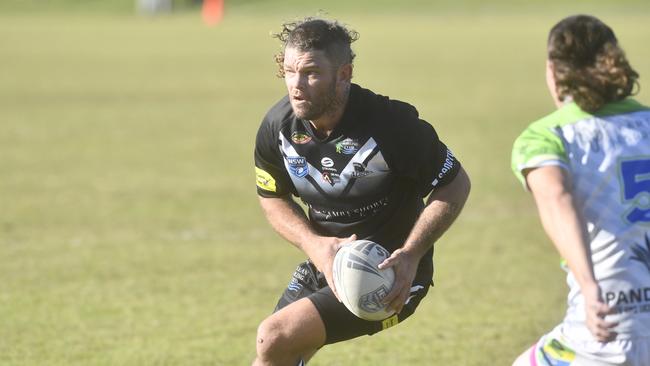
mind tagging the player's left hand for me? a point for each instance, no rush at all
(405, 266)
(595, 311)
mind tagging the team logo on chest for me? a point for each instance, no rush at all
(300, 138)
(298, 166)
(348, 146)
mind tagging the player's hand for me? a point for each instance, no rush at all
(323, 256)
(405, 266)
(596, 310)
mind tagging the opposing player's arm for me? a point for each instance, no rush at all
(289, 220)
(442, 207)
(551, 187)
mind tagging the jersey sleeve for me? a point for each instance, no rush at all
(420, 155)
(270, 174)
(537, 146)
(437, 165)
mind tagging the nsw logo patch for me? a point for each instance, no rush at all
(298, 166)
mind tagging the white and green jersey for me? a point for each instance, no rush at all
(607, 155)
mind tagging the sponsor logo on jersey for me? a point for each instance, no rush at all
(360, 171)
(446, 167)
(348, 146)
(300, 138)
(331, 178)
(298, 166)
(359, 212)
(632, 296)
(634, 301)
(264, 180)
(327, 162)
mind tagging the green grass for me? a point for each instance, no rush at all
(130, 232)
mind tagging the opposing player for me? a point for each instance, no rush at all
(362, 163)
(588, 168)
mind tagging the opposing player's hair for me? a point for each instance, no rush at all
(315, 34)
(588, 64)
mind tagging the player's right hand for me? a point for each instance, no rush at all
(322, 255)
(596, 310)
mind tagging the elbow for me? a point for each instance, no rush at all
(456, 192)
(464, 183)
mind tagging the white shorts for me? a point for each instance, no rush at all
(554, 349)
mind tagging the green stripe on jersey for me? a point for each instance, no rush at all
(540, 143)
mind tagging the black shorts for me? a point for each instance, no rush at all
(340, 323)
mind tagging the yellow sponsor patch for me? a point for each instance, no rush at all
(390, 322)
(264, 180)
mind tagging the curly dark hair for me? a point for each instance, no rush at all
(588, 64)
(311, 34)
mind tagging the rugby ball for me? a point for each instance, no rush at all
(359, 283)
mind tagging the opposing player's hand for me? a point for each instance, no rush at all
(323, 256)
(596, 310)
(405, 266)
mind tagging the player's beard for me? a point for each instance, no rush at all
(323, 104)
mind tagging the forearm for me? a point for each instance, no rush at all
(565, 228)
(442, 208)
(562, 221)
(289, 220)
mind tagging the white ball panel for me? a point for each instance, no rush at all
(360, 284)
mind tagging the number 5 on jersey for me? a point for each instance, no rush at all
(635, 177)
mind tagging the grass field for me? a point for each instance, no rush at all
(130, 232)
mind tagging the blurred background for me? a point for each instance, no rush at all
(130, 232)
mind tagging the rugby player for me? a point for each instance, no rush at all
(588, 168)
(363, 164)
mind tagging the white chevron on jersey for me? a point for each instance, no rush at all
(376, 165)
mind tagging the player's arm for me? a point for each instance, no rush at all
(551, 187)
(274, 189)
(289, 220)
(442, 207)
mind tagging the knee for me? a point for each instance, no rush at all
(273, 342)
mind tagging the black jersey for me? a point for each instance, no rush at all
(368, 177)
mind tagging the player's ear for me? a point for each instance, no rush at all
(344, 72)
